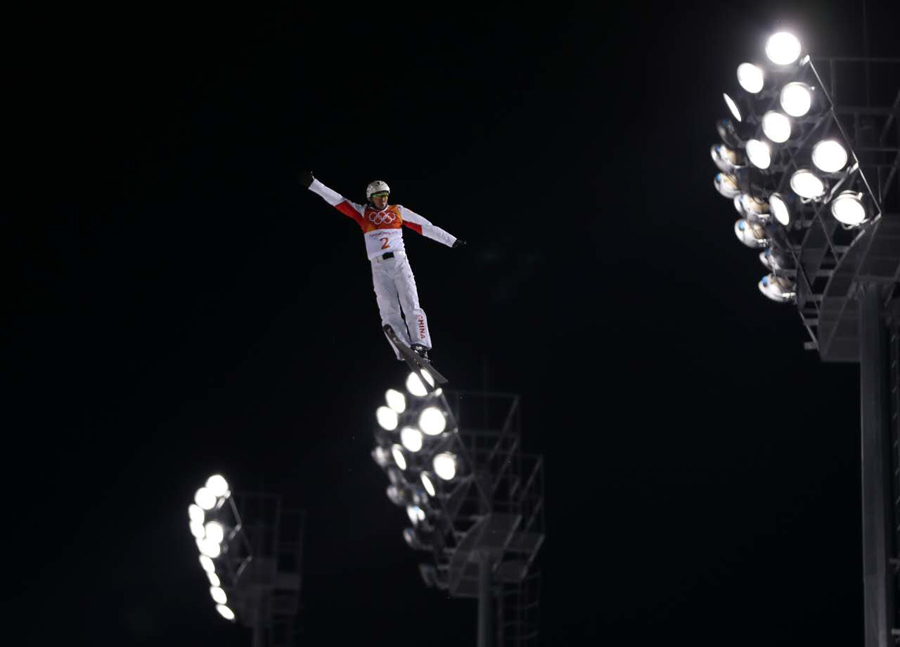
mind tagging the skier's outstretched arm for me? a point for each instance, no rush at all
(335, 199)
(422, 226)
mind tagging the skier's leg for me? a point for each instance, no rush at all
(416, 320)
(387, 299)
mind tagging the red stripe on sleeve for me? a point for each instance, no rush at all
(347, 209)
(416, 228)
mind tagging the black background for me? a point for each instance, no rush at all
(180, 305)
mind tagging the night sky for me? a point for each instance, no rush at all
(179, 305)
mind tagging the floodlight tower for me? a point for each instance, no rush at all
(811, 161)
(474, 499)
(251, 547)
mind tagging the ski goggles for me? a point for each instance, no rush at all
(381, 194)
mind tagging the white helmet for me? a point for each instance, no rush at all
(376, 187)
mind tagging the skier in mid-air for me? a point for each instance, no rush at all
(391, 274)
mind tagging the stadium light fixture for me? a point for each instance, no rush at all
(783, 48)
(399, 457)
(215, 532)
(796, 99)
(209, 548)
(445, 465)
(774, 260)
(205, 498)
(196, 514)
(751, 234)
(218, 594)
(848, 208)
(751, 207)
(732, 106)
(750, 77)
(779, 209)
(726, 159)
(381, 457)
(414, 384)
(807, 184)
(411, 438)
(777, 288)
(759, 154)
(387, 418)
(395, 400)
(207, 564)
(218, 485)
(428, 483)
(829, 156)
(729, 134)
(432, 421)
(225, 612)
(776, 126)
(197, 530)
(726, 185)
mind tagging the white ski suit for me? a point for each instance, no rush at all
(391, 274)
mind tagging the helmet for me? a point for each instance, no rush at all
(376, 187)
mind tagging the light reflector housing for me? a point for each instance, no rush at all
(399, 458)
(829, 156)
(848, 208)
(415, 513)
(387, 418)
(195, 512)
(209, 548)
(796, 99)
(414, 384)
(217, 485)
(783, 48)
(445, 465)
(725, 159)
(205, 498)
(225, 612)
(432, 421)
(428, 484)
(759, 154)
(751, 207)
(215, 532)
(411, 438)
(726, 185)
(218, 594)
(777, 289)
(207, 564)
(779, 209)
(776, 126)
(732, 106)
(807, 184)
(750, 77)
(750, 233)
(197, 530)
(395, 400)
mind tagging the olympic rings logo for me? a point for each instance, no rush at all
(382, 218)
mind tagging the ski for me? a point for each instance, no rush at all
(416, 363)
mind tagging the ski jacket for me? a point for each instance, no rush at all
(383, 230)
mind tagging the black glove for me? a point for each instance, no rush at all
(306, 178)
(459, 243)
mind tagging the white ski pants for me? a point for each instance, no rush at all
(395, 288)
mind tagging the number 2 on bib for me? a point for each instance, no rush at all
(385, 242)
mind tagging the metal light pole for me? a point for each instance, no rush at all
(842, 273)
(485, 599)
(876, 468)
(482, 527)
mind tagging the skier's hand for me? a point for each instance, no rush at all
(459, 243)
(306, 178)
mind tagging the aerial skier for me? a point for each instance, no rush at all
(395, 286)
